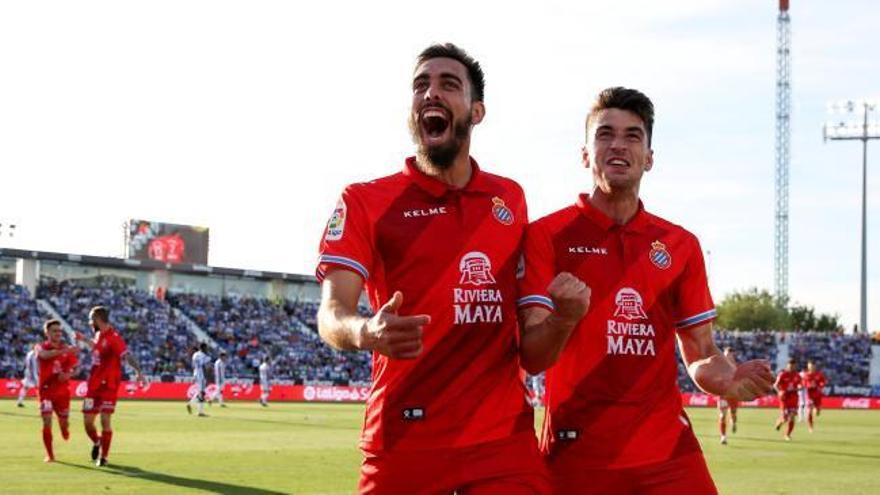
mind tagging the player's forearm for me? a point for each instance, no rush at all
(341, 328)
(713, 374)
(542, 342)
(133, 362)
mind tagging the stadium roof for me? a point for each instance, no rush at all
(149, 265)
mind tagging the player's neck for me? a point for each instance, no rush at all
(457, 175)
(618, 205)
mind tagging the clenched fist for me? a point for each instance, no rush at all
(392, 335)
(571, 297)
(752, 379)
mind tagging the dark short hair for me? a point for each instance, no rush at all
(792, 361)
(625, 99)
(203, 346)
(100, 313)
(449, 50)
(50, 323)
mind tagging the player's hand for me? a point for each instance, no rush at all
(71, 349)
(571, 297)
(141, 381)
(752, 379)
(79, 336)
(395, 336)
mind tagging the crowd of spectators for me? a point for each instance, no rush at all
(159, 340)
(844, 358)
(283, 331)
(21, 326)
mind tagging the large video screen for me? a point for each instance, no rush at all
(167, 242)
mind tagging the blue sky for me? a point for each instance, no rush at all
(250, 119)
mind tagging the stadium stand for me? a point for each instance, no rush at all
(845, 359)
(249, 328)
(21, 326)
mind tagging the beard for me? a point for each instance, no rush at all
(441, 156)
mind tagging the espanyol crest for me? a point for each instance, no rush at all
(660, 256)
(501, 212)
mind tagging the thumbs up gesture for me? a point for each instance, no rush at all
(394, 335)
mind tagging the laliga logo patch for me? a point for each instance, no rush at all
(629, 305)
(660, 256)
(501, 212)
(336, 225)
(476, 269)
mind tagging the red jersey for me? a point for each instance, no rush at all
(453, 253)
(50, 368)
(788, 382)
(612, 397)
(813, 381)
(107, 360)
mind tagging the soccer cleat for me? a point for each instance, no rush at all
(101, 462)
(96, 449)
(723, 440)
(787, 438)
(222, 405)
(49, 459)
(189, 409)
(203, 415)
(20, 404)
(778, 426)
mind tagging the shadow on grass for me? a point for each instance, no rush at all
(168, 479)
(845, 454)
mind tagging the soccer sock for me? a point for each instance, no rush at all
(65, 431)
(21, 394)
(201, 407)
(810, 419)
(47, 441)
(722, 425)
(106, 437)
(92, 433)
(790, 426)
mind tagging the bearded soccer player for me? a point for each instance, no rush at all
(615, 421)
(108, 351)
(814, 382)
(57, 363)
(787, 383)
(727, 407)
(437, 247)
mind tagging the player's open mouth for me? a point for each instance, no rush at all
(618, 162)
(434, 122)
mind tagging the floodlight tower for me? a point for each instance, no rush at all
(860, 128)
(783, 151)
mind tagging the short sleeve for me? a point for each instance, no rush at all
(538, 267)
(347, 240)
(694, 305)
(118, 346)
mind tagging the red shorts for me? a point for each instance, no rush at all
(511, 466)
(815, 398)
(684, 474)
(59, 403)
(102, 400)
(789, 401)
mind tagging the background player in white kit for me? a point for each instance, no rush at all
(200, 359)
(31, 376)
(220, 377)
(265, 386)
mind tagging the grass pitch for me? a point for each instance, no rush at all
(311, 448)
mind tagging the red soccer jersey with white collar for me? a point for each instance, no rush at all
(109, 347)
(613, 396)
(453, 253)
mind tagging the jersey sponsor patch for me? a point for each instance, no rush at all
(501, 212)
(476, 269)
(414, 414)
(566, 435)
(336, 224)
(659, 256)
(629, 304)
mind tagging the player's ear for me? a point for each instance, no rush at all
(478, 111)
(585, 157)
(649, 162)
